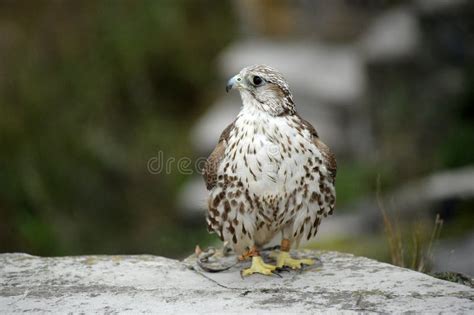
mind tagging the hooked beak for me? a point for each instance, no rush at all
(233, 82)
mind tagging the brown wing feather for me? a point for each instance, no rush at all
(330, 159)
(215, 158)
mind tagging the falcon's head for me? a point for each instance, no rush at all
(265, 88)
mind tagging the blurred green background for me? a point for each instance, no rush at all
(90, 90)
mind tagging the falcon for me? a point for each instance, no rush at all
(269, 175)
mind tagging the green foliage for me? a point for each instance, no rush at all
(89, 92)
(359, 179)
(417, 252)
(456, 148)
(421, 124)
(460, 219)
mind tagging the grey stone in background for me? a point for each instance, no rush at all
(151, 284)
(436, 188)
(455, 255)
(331, 73)
(432, 6)
(392, 36)
(193, 199)
(205, 133)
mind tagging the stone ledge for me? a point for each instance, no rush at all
(154, 284)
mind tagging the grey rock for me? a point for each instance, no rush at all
(151, 284)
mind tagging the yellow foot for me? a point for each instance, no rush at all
(258, 266)
(284, 260)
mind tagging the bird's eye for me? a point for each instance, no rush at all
(257, 80)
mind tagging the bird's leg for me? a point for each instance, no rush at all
(284, 259)
(258, 265)
(247, 254)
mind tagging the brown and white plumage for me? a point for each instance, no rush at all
(270, 173)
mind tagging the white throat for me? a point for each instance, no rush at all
(270, 105)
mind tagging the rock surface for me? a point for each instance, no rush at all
(110, 284)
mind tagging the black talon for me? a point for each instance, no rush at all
(277, 274)
(284, 268)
